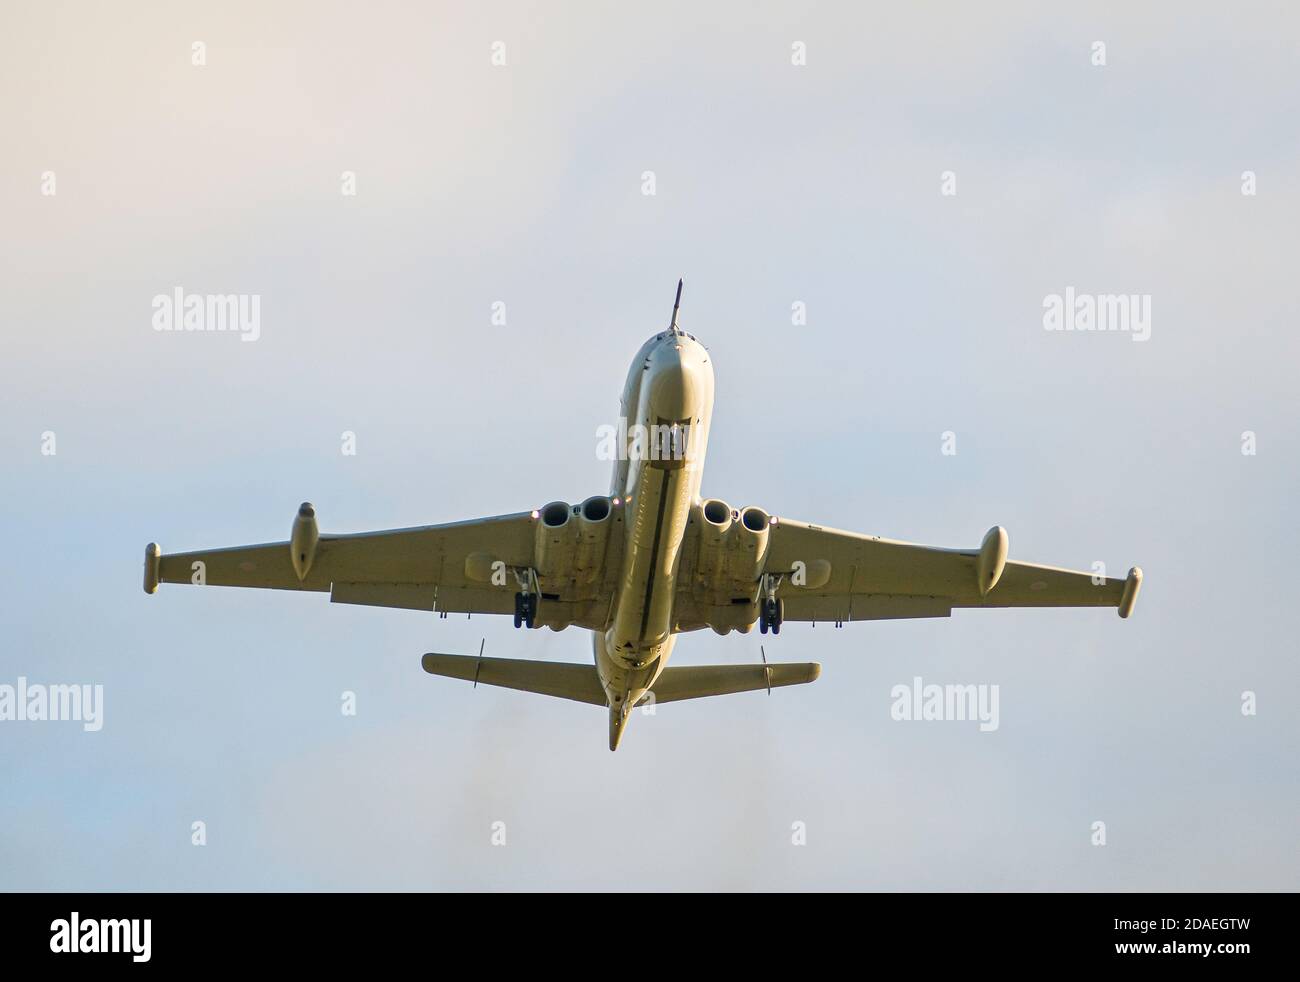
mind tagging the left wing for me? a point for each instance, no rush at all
(864, 577)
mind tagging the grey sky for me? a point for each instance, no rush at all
(775, 184)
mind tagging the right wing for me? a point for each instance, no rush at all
(411, 567)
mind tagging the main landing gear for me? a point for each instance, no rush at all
(526, 599)
(525, 609)
(771, 612)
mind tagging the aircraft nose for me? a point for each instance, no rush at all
(677, 382)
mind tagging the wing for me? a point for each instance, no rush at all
(851, 577)
(416, 568)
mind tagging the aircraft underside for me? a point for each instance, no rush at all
(642, 564)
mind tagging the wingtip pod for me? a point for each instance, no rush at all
(152, 567)
(1130, 595)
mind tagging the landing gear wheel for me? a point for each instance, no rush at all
(526, 610)
(771, 614)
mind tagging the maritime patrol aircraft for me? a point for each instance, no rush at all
(643, 564)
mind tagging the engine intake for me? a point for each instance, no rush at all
(555, 515)
(596, 508)
(717, 513)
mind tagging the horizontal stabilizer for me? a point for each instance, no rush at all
(581, 683)
(697, 681)
(549, 678)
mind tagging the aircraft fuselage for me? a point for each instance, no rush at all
(667, 404)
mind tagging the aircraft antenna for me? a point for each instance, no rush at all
(478, 665)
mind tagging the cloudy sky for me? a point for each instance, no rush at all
(775, 183)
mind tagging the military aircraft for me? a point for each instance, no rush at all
(643, 564)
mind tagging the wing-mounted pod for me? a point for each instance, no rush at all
(303, 539)
(992, 559)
